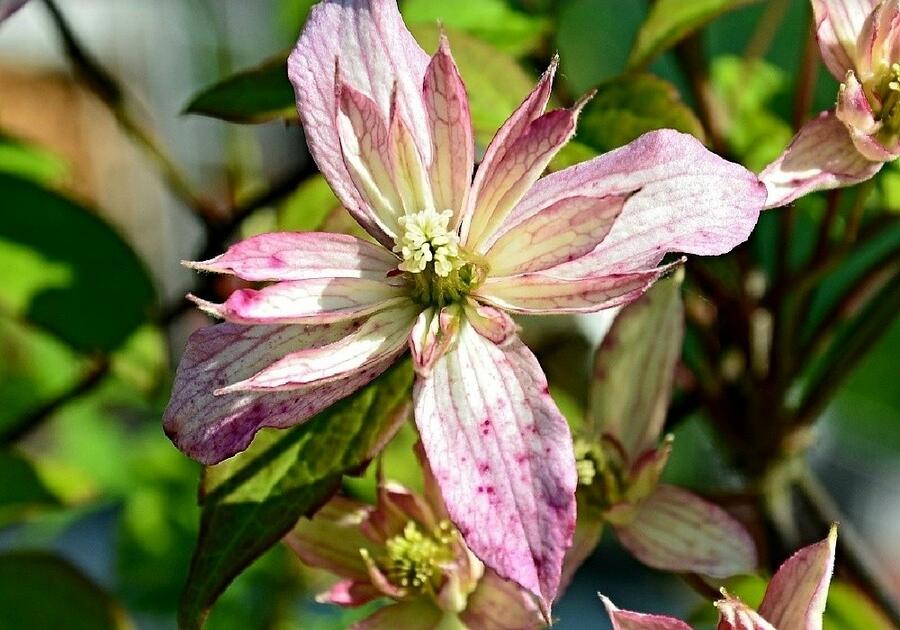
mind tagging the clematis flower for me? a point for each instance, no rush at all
(620, 460)
(389, 127)
(860, 44)
(406, 549)
(795, 598)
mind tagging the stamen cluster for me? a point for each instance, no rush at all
(426, 239)
(415, 560)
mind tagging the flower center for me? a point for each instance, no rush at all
(440, 270)
(416, 560)
(600, 474)
(889, 113)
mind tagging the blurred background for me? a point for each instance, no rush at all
(105, 186)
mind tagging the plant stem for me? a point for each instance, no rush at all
(690, 55)
(765, 29)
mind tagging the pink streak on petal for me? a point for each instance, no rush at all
(685, 199)
(311, 301)
(491, 323)
(675, 530)
(797, 593)
(211, 428)
(300, 256)
(560, 233)
(349, 593)
(821, 156)
(839, 24)
(375, 52)
(502, 455)
(628, 620)
(498, 604)
(879, 42)
(453, 150)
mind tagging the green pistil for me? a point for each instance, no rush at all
(430, 289)
(889, 114)
(415, 560)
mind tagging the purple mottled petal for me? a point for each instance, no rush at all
(675, 530)
(839, 24)
(300, 256)
(736, 615)
(375, 53)
(683, 199)
(798, 591)
(453, 141)
(416, 614)
(821, 156)
(211, 427)
(498, 604)
(502, 454)
(628, 620)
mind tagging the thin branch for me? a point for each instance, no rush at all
(806, 80)
(765, 29)
(692, 60)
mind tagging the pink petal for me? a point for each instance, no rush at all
(821, 156)
(502, 455)
(332, 540)
(675, 530)
(797, 593)
(542, 293)
(417, 614)
(879, 43)
(839, 26)
(381, 337)
(499, 604)
(510, 177)
(453, 148)
(376, 54)
(410, 173)
(854, 111)
(433, 334)
(300, 256)
(628, 620)
(491, 323)
(349, 593)
(645, 338)
(683, 199)
(736, 615)
(211, 427)
(516, 125)
(562, 232)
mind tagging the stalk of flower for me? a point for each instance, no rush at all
(620, 459)
(795, 598)
(389, 127)
(860, 44)
(406, 549)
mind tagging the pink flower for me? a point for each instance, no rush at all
(620, 460)
(389, 127)
(405, 548)
(860, 45)
(795, 598)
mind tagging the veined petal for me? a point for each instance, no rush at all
(410, 174)
(542, 293)
(645, 338)
(311, 301)
(821, 156)
(453, 141)
(433, 334)
(510, 177)
(562, 232)
(628, 620)
(683, 199)
(516, 125)
(211, 428)
(736, 615)
(416, 614)
(365, 145)
(498, 604)
(491, 323)
(798, 591)
(381, 337)
(502, 454)
(853, 107)
(376, 54)
(879, 42)
(300, 256)
(675, 530)
(839, 24)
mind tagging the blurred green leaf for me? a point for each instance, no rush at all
(255, 95)
(251, 500)
(40, 590)
(492, 21)
(495, 82)
(670, 21)
(308, 206)
(22, 490)
(31, 162)
(68, 271)
(848, 609)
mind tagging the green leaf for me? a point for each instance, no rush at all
(848, 609)
(670, 21)
(252, 500)
(67, 271)
(495, 82)
(22, 490)
(40, 590)
(308, 206)
(255, 95)
(31, 162)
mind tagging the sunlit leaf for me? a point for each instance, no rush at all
(308, 206)
(255, 95)
(40, 590)
(253, 499)
(22, 490)
(31, 162)
(670, 21)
